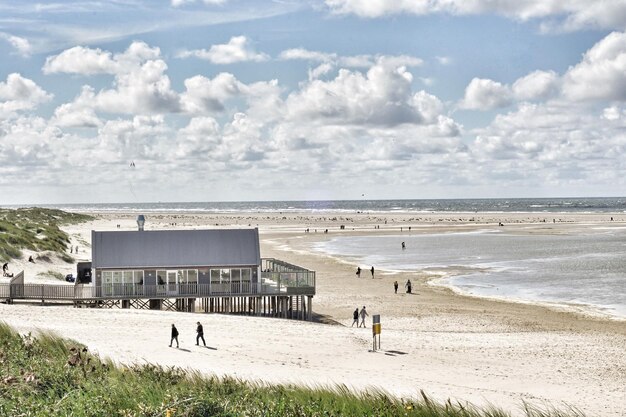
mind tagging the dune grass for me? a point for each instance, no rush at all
(35, 229)
(50, 376)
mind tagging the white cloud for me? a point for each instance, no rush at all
(21, 45)
(382, 96)
(306, 55)
(568, 15)
(354, 61)
(357, 61)
(484, 94)
(555, 145)
(81, 60)
(144, 90)
(79, 113)
(198, 138)
(320, 70)
(602, 72)
(88, 61)
(18, 93)
(125, 140)
(536, 85)
(140, 86)
(399, 61)
(613, 113)
(25, 143)
(237, 49)
(204, 95)
(178, 3)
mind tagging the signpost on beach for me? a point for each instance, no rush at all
(376, 330)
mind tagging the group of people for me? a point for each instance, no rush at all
(199, 335)
(357, 314)
(408, 286)
(358, 272)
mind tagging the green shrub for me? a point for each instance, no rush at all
(35, 229)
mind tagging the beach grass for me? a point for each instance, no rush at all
(35, 229)
(46, 375)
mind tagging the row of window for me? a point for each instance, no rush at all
(181, 276)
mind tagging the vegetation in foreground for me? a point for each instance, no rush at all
(49, 376)
(35, 229)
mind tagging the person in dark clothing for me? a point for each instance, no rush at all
(372, 271)
(358, 272)
(395, 286)
(174, 336)
(408, 286)
(200, 332)
(355, 316)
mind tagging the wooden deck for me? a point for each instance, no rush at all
(284, 291)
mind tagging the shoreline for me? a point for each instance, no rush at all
(451, 345)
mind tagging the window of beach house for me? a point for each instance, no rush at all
(235, 275)
(161, 277)
(182, 276)
(117, 277)
(245, 275)
(225, 276)
(192, 276)
(138, 277)
(235, 279)
(127, 277)
(217, 284)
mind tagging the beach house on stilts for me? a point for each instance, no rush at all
(212, 270)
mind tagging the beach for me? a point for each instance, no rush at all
(450, 345)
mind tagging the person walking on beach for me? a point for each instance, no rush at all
(408, 286)
(355, 317)
(372, 271)
(363, 315)
(395, 286)
(358, 272)
(200, 334)
(403, 246)
(174, 336)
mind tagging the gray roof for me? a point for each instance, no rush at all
(175, 248)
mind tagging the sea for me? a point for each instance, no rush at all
(532, 205)
(585, 270)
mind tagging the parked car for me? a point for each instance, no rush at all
(70, 278)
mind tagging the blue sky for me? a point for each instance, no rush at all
(219, 100)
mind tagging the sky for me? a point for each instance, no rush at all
(247, 100)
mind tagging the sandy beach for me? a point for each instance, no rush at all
(449, 345)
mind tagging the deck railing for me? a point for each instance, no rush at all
(282, 277)
(277, 277)
(125, 291)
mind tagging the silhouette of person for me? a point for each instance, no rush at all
(403, 246)
(363, 314)
(200, 334)
(358, 272)
(395, 286)
(408, 286)
(355, 317)
(174, 336)
(372, 271)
